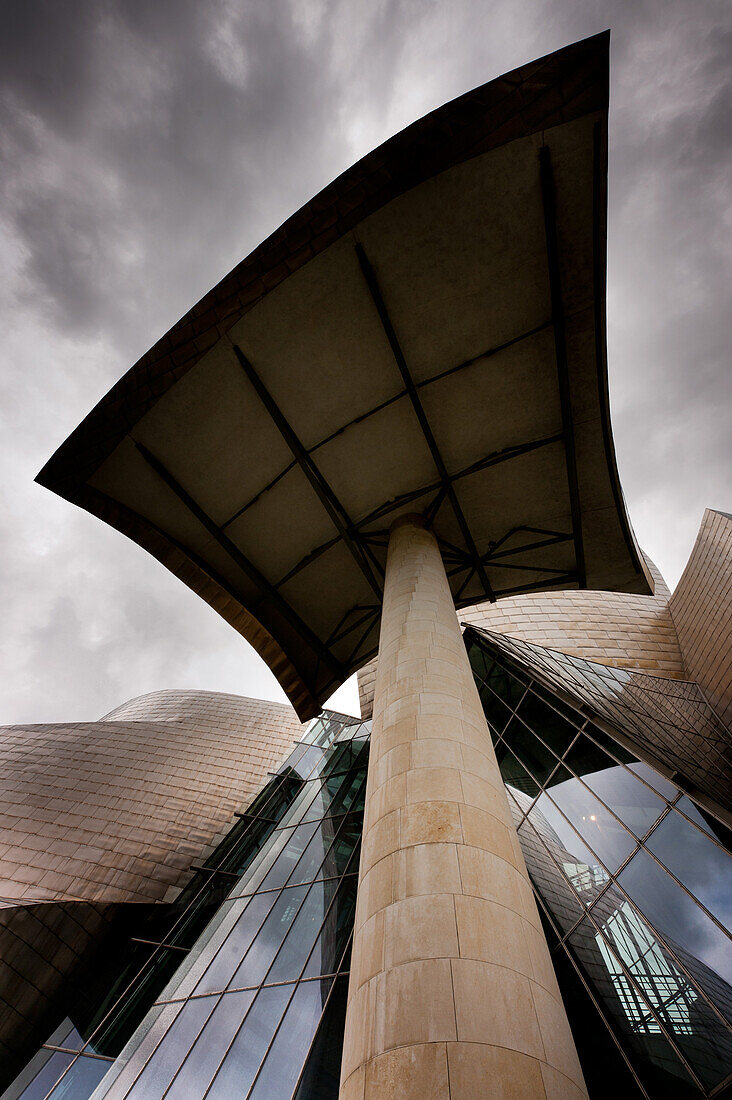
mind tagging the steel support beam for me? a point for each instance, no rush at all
(242, 561)
(337, 513)
(371, 282)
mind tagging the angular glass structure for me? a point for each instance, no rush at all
(239, 986)
(633, 877)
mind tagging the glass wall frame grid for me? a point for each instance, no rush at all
(503, 707)
(328, 748)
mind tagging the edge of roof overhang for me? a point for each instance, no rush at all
(555, 89)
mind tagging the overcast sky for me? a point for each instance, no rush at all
(148, 145)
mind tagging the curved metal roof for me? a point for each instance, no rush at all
(427, 334)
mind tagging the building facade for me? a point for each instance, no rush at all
(215, 960)
(511, 879)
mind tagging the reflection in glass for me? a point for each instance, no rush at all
(250, 1045)
(703, 867)
(681, 921)
(79, 1082)
(554, 730)
(284, 1060)
(595, 824)
(264, 947)
(534, 755)
(654, 1059)
(44, 1068)
(322, 1071)
(202, 1062)
(303, 932)
(337, 926)
(178, 1040)
(632, 801)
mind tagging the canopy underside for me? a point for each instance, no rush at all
(438, 347)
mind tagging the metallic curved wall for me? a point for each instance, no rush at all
(613, 628)
(97, 814)
(116, 810)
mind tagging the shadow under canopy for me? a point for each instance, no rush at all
(426, 335)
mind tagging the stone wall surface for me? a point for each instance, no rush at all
(701, 607)
(451, 982)
(613, 628)
(116, 810)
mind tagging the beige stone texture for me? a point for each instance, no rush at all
(449, 962)
(701, 608)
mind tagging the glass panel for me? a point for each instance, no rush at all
(337, 927)
(507, 685)
(235, 935)
(631, 800)
(242, 850)
(651, 776)
(310, 862)
(514, 774)
(254, 966)
(39, 1075)
(287, 858)
(204, 1059)
(606, 1072)
(112, 1035)
(302, 934)
(284, 1061)
(242, 1061)
(213, 893)
(66, 1036)
(706, 822)
(82, 1079)
(618, 752)
(654, 1059)
(554, 730)
(530, 751)
(703, 946)
(497, 713)
(174, 1047)
(322, 1071)
(604, 834)
(338, 857)
(139, 1048)
(678, 1009)
(336, 796)
(544, 855)
(704, 868)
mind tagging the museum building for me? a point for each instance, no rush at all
(382, 445)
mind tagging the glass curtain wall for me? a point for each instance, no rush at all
(634, 884)
(239, 987)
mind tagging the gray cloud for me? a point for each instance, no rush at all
(147, 147)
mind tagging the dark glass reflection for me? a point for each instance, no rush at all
(321, 1074)
(281, 1069)
(703, 867)
(533, 754)
(681, 921)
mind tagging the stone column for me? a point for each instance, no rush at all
(452, 992)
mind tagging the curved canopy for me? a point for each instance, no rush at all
(426, 335)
